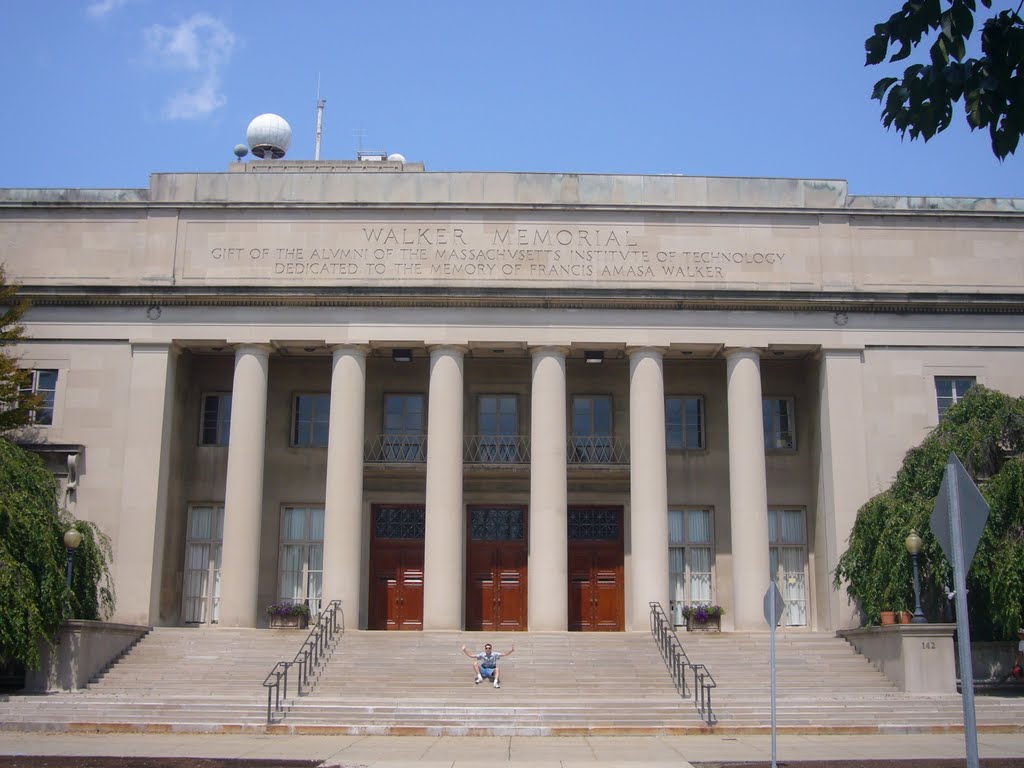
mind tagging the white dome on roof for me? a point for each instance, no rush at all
(395, 157)
(269, 136)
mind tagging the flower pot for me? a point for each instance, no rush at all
(713, 624)
(888, 617)
(906, 617)
(296, 621)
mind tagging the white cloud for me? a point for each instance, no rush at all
(201, 45)
(101, 8)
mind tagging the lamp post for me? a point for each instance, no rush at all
(913, 544)
(72, 540)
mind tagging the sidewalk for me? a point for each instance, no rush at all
(523, 752)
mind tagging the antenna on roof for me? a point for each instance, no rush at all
(319, 118)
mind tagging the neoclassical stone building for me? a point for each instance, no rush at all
(496, 400)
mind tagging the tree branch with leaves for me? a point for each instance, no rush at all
(991, 87)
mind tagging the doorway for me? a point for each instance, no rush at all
(496, 568)
(396, 567)
(596, 593)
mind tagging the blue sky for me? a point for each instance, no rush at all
(100, 93)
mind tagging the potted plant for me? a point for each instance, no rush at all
(288, 615)
(703, 618)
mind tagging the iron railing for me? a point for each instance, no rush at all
(319, 643)
(497, 449)
(604, 449)
(678, 662)
(395, 449)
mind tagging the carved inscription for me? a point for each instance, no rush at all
(496, 252)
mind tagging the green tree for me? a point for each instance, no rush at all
(34, 598)
(16, 405)
(986, 431)
(990, 86)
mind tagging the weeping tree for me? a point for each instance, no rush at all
(986, 431)
(34, 596)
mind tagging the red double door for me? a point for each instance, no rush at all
(496, 568)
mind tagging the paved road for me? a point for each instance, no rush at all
(523, 752)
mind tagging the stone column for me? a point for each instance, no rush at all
(143, 522)
(648, 485)
(243, 494)
(444, 581)
(842, 477)
(748, 494)
(548, 591)
(343, 505)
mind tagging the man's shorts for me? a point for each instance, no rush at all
(487, 672)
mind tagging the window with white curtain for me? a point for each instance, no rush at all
(690, 555)
(787, 549)
(302, 556)
(203, 544)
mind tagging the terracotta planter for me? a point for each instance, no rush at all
(297, 621)
(906, 617)
(888, 617)
(713, 624)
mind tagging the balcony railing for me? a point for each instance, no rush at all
(493, 449)
(396, 449)
(486, 449)
(603, 449)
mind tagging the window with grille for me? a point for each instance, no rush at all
(779, 427)
(684, 423)
(404, 423)
(787, 550)
(216, 422)
(203, 545)
(594, 524)
(592, 429)
(312, 419)
(499, 428)
(949, 390)
(690, 555)
(302, 556)
(496, 524)
(399, 522)
(42, 382)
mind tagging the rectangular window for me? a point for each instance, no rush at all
(499, 428)
(43, 382)
(684, 423)
(302, 556)
(404, 422)
(690, 555)
(779, 425)
(216, 425)
(203, 546)
(950, 389)
(592, 429)
(312, 418)
(787, 553)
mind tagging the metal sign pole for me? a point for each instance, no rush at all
(962, 629)
(771, 592)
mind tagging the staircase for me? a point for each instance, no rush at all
(208, 680)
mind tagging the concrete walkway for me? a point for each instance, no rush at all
(524, 752)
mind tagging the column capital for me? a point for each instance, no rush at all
(251, 347)
(549, 349)
(646, 349)
(742, 352)
(352, 348)
(452, 349)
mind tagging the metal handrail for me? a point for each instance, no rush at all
(600, 449)
(314, 649)
(395, 449)
(678, 662)
(497, 449)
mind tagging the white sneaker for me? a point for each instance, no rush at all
(497, 684)
(479, 679)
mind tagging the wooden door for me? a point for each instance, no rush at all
(496, 569)
(596, 593)
(396, 568)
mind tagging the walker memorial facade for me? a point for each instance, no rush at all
(496, 400)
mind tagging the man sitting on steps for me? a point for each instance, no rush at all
(486, 664)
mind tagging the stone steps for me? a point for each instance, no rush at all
(209, 680)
